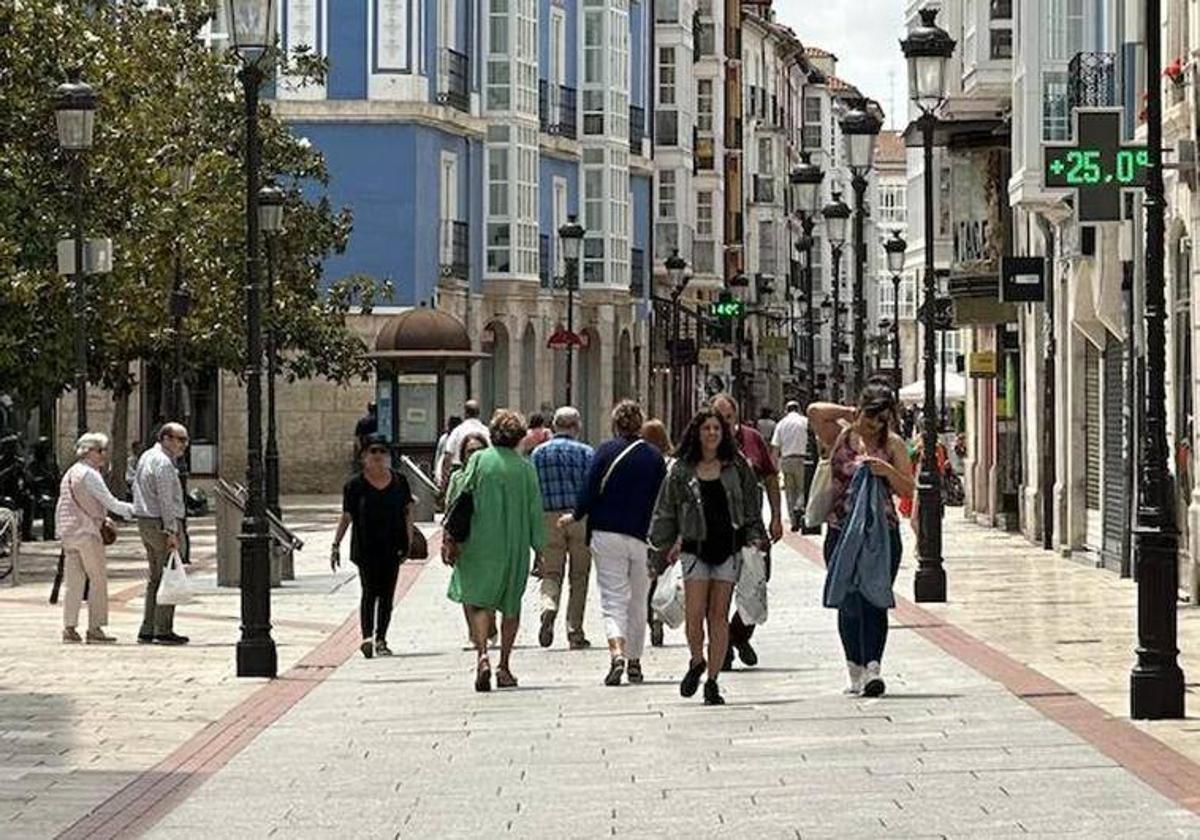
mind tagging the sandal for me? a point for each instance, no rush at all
(483, 675)
(505, 679)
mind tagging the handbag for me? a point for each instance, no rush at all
(457, 523)
(418, 546)
(820, 494)
(108, 532)
(174, 588)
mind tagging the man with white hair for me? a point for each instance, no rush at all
(789, 443)
(471, 425)
(160, 512)
(562, 466)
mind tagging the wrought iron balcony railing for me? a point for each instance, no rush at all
(1092, 80)
(453, 74)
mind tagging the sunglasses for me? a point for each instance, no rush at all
(377, 450)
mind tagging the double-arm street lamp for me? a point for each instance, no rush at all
(75, 117)
(1156, 682)
(860, 127)
(270, 221)
(252, 38)
(894, 248)
(836, 214)
(570, 237)
(676, 267)
(927, 50)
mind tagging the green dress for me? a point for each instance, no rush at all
(493, 566)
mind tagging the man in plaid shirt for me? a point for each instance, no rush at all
(562, 466)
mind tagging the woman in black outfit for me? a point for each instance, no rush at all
(378, 502)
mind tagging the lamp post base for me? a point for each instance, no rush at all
(256, 658)
(1156, 684)
(929, 583)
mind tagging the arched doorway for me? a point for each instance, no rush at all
(560, 374)
(529, 396)
(494, 372)
(623, 369)
(590, 399)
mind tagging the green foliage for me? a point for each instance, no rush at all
(166, 101)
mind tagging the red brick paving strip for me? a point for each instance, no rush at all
(156, 792)
(1170, 773)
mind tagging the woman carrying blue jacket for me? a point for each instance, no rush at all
(852, 437)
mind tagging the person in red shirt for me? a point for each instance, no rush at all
(755, 450)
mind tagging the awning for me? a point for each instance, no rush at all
(956, 389)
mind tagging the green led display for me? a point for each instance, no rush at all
(1097, 165)
(1106, 167)
(727, 308)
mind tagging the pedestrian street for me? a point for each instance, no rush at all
(403, 747)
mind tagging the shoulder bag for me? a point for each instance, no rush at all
(620, 457)
(108, 533)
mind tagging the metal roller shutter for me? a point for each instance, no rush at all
(1116, 507)
(1091, 404)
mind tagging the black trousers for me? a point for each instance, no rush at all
(739, 631)
(862, 626)
(378, 578)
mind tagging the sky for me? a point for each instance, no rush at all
(865, 36)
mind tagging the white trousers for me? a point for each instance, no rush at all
(83, 562)
(620, 563)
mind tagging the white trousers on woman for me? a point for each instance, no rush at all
(620, 563)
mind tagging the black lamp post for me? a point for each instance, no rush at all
(927, 49)
(676, 267)
(181, 304)
(860, 127)
(742, 282)
(75, 117)
(252, 37)
(806, 182)
(836, 214)
(895, 248)
(1156, 686)
(570, 236)
(270, 220)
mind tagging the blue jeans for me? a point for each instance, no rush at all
(862, 625)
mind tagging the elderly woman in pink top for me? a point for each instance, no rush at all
(84, 503)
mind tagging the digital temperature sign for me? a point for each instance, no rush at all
(1098, 166)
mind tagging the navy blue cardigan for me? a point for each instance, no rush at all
(628, 499)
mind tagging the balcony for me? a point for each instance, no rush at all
(637, 128)
(666, 128)
(454, 249)
(637, 272)
(557, 109)
(704, 38)
(1092, 80)
(454, 71)
(764, 189)
(544, 272)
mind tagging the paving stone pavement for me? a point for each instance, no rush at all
(405, 748)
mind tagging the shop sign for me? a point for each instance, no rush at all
(711, 356)
(1023, 279)
(981, 364)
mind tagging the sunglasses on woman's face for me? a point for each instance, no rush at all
(378, 450)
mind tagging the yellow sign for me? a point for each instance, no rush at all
(981, 364)
(711, 356)
(776, 344)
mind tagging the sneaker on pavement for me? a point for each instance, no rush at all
(691, 680)
(633, 672)
(546, 633)
(873, 684)
(71, 636)
(381, 648)
(99, 637)
(368, 648)
(171, 639)
(577, 641)
(747, 653)
(616, 670)
(145, 639)
(712, 694)
(857, 675)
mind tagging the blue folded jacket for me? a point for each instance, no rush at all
(862, 558)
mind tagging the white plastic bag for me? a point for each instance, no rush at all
(174, 588)
(751, 588)
(668, 602)
(820, 495)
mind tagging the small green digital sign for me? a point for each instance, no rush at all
(727, 308)
(1098, 166)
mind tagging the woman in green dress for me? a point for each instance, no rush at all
(492, 566)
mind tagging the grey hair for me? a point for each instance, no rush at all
(567, 417)
(90, 442)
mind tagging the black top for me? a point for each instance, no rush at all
(377, 516)
(368, 424)
(719, 541)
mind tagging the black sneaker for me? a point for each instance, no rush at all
(577, 641)
(633, 672)
(546, 633)
(381, 648)
(691, 680)
(656, 634)
(747, 654)
(368, 648)
(615, 671)
(712, 694)
(171, 639)
(145, 638)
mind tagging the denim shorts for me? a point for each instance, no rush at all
(696, 569)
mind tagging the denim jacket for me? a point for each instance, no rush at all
(679, 511)
(861, 562)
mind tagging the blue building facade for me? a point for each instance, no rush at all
(462, 134)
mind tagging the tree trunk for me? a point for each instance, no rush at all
(119, 445)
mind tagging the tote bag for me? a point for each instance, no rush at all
(820, 495)
(174, 589)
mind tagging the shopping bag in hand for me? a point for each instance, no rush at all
(751, 589)
(668, 602)
(174, 588)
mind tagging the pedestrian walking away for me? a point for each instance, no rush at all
(562, 465)
(81, 515)
(766, 423)
(471, 424)
(712, 502)
(857, 437)
(618, 499)
(440, 453)
(754, 449)
(499, 489)
(789, 445)
(536, 436)
(160, 513)
(377, 508)
(472, 443)
(654, 431)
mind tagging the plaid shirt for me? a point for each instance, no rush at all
(562, 467)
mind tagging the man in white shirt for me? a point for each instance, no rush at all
(789, 443)
(471, 424)
(159, 510)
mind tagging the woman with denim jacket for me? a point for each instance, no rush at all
(712, 502)
(853, 437)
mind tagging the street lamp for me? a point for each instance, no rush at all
(676, 267)
(836, 213)
(270, 220)
(806, 180)
(180, 304)
(927, 49)
(1156, 683)
(895, 247)
(75, 116)
(571, 236)
(252, 36)
(860, 127)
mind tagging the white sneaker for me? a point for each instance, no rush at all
(857, 674)
(873, 684)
